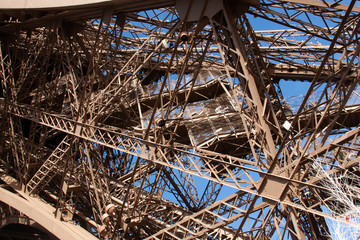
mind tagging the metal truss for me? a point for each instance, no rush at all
(167, 120)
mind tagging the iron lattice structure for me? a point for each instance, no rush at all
(165, 120)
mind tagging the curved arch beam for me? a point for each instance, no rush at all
(39, 212)
(24, 220)
(73, 4)
(46, 4)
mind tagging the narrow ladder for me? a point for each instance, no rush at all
(48, 170)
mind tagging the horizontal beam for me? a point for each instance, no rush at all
(322, 4)
(71, 4)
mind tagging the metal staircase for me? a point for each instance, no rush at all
(49, 168)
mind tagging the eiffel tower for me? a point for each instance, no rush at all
(164, 119)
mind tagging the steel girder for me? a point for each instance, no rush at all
(143, 120)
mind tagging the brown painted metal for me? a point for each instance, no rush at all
(166, 120)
